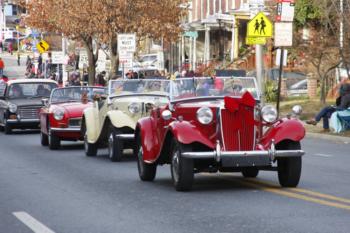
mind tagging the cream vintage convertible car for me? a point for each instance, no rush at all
(111, 120)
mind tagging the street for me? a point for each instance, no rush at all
(65, 192)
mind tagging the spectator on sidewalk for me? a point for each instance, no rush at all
(10, 48)
(2, 66)
(342, 102)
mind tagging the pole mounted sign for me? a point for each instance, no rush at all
(285, 10)
(127, 42)
(42, 46)
(260, 26)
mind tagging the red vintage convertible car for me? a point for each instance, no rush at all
(218, 124)
(60, 118)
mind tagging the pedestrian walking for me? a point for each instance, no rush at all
(2, 66)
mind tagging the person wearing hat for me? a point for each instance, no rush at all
(342, 102)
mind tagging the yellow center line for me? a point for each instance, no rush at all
(290, 192)
(305, 191)
(298, 196)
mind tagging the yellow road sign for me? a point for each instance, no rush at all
(42, 46)
(259, 26)
(255, 40)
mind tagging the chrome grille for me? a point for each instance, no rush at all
(237, 129)
(29, 112)
(75, 122)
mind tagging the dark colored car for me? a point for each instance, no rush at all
(20, 102)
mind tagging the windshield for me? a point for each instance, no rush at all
(75, 94)
(148, 58)
(138, 86)
(185, 88)
(30, 90)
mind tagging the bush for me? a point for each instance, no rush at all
(270, 91)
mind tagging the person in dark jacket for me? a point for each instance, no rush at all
(342, 102)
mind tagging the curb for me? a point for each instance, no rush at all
(334, 138)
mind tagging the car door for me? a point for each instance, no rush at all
(3, 103)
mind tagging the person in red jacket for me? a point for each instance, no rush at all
(2, 66)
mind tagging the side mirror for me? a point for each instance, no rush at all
(45, 101)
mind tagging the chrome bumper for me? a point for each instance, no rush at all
(268, 155)
(17, 121)
(126, 136)
(65, 130)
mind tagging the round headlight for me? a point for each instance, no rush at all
(134, 108)
(297, 109)
(13, 108)
(269, 113)
(205, 115)
(58, 114)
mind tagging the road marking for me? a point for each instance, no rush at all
(32, 223)
(305, 191)
(297, 193)
(323, 155)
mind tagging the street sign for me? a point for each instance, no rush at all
(126, 59)
(283, 34)
(260, 26)
(256, 5)
(127, 42)
(42, 46)
(285, 10)
(255, 40)
(83, 59)
(192, 34)
(57, 57)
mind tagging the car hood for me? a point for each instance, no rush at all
(74, 109)
(26, 102)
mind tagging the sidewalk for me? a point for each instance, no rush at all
(12, 70)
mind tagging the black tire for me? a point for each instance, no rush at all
(44, 139)
(53, 141)
(147, 172)
(90, 148)
(115, 145)
(7, 128)
(289, 169)
(250, 172)
(181, 168)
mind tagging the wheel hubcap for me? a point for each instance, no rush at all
(175, 165)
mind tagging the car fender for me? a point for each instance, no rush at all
(285, 129)
(90, 117)
(120, 119)
(149, 141)
(187, 133)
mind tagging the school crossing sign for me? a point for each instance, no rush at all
(259, 26)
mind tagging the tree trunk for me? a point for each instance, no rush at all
(323, 89)
(113, 44)
(92, 59)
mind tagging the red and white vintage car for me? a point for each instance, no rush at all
(218, 124)
(60, 118)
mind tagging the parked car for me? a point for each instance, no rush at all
(111, 121)
(291, 77)
(298, 89)
(20, 101)
(60, 118)
(218, 124)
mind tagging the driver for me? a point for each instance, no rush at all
(42, 91)
(16, 91)
(154, 86)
